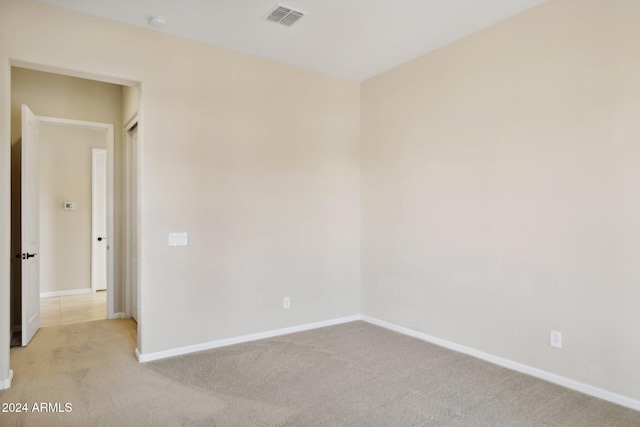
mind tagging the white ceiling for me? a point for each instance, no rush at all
(355, 39)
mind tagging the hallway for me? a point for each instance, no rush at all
(66, 310)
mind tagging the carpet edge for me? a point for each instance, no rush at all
(510, 364)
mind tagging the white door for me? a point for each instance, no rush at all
(99, 244)
(30, 218)
(133, 203)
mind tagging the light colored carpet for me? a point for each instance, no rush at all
(354, 374)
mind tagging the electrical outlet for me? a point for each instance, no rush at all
(555, 339)
(286, 302)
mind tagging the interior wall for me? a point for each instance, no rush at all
(130, 101)
(256, 160)
(65, 234)
(66, 97)
(498, 185)
(500, 192)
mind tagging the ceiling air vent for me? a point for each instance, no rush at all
(284, 15)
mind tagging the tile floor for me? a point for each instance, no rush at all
(73, 309)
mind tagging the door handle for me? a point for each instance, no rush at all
(26, 256)
(100, 239)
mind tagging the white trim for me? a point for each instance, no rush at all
(127, 222)
(119, 315)
(129, 212)
(6, 383)
(65, 293)
(95, 152)
(148, 357)
(76, 123)
(509, 364)
(131, 122)
(133, 212)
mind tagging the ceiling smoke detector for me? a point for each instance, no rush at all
(284, 15)
(157, 21)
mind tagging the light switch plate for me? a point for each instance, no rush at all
(177, 239)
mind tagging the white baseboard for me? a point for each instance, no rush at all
(525, 369)
(509, 364)
(148, 357)
(6, 383)
(119, 315)
(65, 293)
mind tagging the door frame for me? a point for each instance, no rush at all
(6, 62)
(107, 128)
(94, 203)
(132, 213)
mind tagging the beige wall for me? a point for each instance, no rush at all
(56, 95)
(130, 101)
(74, 98)
(500, 192)
(65, 176)
(499, 185)
(256, 160)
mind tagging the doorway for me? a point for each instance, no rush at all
(58, 94)
(76, 209)
(66, 193)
